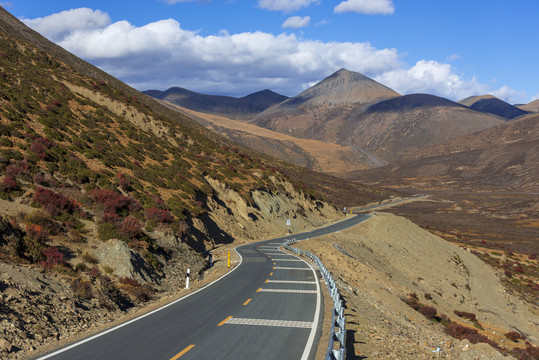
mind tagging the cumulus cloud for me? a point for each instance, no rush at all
(162, 54)
(509, 95)
(296, 22)
(369, 7)
(431, 77)
(58, 26)
(284, 5)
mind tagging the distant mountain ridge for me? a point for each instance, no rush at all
(492, 105)
(244, 107)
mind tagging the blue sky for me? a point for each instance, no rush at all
(451, 48)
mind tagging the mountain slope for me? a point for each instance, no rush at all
(531, 107)
(318, 112)
(504, 157)
(492, 105)
(394, 128)
(241, 108)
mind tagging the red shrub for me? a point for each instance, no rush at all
(158, 215)
(9, 184)
(467, 315)
(533, 256)
(40, 146)
(508, 273)
(14, 170)
(130, 227)
(53, 257)
(37, 233)
(519, 269)
(512, 335)
(428, 311)
(111, 217)
(113, 201)
(125, 183)
(54, 203)
(458, 331)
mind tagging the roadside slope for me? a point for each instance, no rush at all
(386, 258)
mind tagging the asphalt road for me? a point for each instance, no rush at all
(268, 307)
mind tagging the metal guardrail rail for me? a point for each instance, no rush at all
(337, 318)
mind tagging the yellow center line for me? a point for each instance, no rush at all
(274, 263)
(247, 302)
(181, 353)
(271, 273)
(259, 289)
(225, 320)
(267, 280)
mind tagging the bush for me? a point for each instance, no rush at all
(467, 315)
(130, 227)
(53, 257)
(428, 311)
(114, 202)
(159, 215)
(513, 336)
(9, 184)
(37, 233)
(54, 203)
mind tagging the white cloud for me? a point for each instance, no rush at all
(296, 22)
(162, 54)
(58, 26)
(285, 5)
(431, 77)
(509, 95)
(369, 7)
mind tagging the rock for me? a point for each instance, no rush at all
(5, 345)
(125, 262)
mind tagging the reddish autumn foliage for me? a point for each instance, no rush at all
(158, 215)
(130, 227)
(54, 203)
(467, 315)
(37, 233)
(113, 201)
(9, 184)
(513, 335)
(53, 257)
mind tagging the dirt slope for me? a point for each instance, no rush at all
(387, 257)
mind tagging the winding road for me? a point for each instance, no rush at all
(268, 307)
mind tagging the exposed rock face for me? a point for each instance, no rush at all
(125, 262)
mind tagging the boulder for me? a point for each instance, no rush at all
(124, 261)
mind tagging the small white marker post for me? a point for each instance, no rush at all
(187, 279)
(287, 226)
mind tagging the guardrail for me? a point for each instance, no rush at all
(337, 318)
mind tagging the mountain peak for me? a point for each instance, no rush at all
(345, 87)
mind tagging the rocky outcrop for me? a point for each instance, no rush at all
(124, 261)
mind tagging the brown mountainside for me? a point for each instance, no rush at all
(236, 108)
(531, 107)
(504, 157)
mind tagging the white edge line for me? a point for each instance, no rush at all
(141, 316)
(314, 328)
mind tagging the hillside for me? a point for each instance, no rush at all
(492, 105)
(106, 195)
(318, 112)
(394, 128)
(530, 107)
(504, 157)
(314, 155)
(235, 108)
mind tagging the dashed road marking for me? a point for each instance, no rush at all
(181, 353)
(268, 322)
(290, 291)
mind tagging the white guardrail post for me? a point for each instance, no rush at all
(337, 316)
